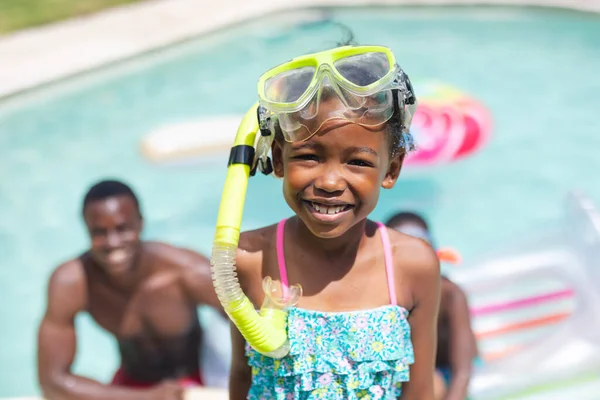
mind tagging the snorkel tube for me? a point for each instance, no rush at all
(264, 331)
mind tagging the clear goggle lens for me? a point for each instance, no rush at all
(305, 98)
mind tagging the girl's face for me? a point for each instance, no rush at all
(332, 181)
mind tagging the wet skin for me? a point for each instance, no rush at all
(145, 294)
(457, 346)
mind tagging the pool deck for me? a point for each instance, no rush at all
(192, 394)
(39, 56)
(33, 58)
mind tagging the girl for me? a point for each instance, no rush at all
(367, 318)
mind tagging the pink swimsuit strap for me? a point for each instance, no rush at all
(387, 253)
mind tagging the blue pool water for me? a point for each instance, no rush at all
(535, 69)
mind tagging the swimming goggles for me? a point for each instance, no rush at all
(360, 84)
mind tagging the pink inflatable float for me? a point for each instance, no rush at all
(448, 125)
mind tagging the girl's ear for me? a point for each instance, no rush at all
(393, 172)
(277, 153)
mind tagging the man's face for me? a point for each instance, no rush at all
(114, 225)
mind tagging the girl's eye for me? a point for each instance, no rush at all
(307, 157)
(360, 163)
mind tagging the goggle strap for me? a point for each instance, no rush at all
(406, 141)
(262, 161)
(266, 166)
(409, 93)
(263, 121)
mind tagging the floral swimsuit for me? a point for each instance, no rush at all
(338, 355)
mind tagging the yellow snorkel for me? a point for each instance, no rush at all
(265, 331)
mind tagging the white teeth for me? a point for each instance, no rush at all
(322, 209)
(117, 256)
(334, 210)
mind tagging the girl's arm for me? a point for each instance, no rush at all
(240, 375)
(423, 273)
(463, 345)
(248, 264)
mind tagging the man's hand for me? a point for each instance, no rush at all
(167, 390)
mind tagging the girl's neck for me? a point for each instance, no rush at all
(338, 248)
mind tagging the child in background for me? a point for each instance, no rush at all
(365, 327)
(456, 346)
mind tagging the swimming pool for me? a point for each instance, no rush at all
(535, 68)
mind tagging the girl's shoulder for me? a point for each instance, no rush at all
(415, 261)
(412, 253)
(256, 239)
(255, 248)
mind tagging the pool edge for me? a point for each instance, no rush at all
(56, 48)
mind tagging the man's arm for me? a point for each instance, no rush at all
(57, 342)
(197, 279)
(463, 345)
(423, 273)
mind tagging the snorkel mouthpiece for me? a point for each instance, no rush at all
(264, 331)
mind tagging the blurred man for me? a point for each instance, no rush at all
(144, 293)
(456, 345)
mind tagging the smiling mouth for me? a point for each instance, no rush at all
(328, 209)
(117, 257)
